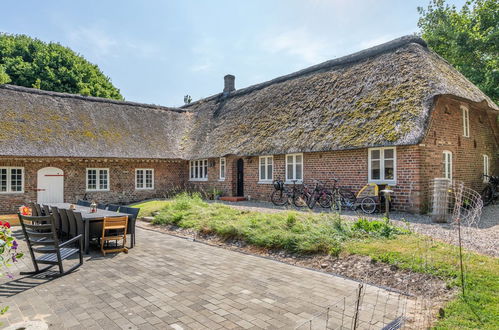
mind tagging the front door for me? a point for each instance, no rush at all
(240, 177)
(50, 185)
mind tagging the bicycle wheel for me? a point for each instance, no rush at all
(300, 199)
(312, 200)
(348, 199)
(279, 197)
(487, 195)
(326, 200)
(368, 205)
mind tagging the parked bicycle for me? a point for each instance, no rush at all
(346, 199)
(491, 191)
(283, 195)
(320, 194)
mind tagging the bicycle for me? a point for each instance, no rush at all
(491, 191)
(344, 198)
(320, 194)
(282, 194)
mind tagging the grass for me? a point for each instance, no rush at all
(308, 233)
(296, 232)
(147, 208)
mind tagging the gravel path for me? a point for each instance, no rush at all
(483, 238)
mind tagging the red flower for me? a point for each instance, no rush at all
(1, 223)
(7, 225)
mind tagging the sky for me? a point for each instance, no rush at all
(157, 51)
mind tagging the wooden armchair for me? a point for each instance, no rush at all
(44, 246)
(115, 227)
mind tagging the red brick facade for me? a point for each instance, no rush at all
(415, 166)
(167, 175)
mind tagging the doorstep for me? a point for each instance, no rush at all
(232, 199)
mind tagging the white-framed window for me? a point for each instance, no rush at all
(266, 168)
(223, 167)
(198, 170)
(97, 179)
(382, 165)
(11, 180)
(466, 121)
(294, 167)
(485, 168)
(447, 164)
(144, 178)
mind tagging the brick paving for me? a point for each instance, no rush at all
(172, 283)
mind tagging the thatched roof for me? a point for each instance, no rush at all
(376, 97)
(41, 123)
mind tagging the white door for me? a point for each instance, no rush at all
(50, 185)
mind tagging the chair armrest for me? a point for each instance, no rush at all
(74, 239)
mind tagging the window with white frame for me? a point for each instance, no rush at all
(382, 163)
(144, 178)
(198, 170)
(11, 180)
(97, 179)
(266, 168)
(222, 168)
(294, 167)
(447, 164)
(466, 121)
(486, 167)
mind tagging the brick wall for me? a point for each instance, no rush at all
(446, 133)
(167, 174)
(350, 167)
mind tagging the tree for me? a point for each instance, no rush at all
(29, 62)
(468, 39)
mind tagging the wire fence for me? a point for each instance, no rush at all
(369, 307)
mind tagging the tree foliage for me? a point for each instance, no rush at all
(467, 38)
(29, 62)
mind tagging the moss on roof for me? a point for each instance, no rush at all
(380, 96)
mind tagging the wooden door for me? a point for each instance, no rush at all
(240, 177)
(50, 185)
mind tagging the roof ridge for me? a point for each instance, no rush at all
(347, 59)
(88, 98)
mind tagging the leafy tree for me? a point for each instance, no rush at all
(29, 62)
(468, 39)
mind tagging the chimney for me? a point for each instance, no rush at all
(229, 83)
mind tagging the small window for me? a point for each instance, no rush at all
(382, 165)
(97, 179)
(266, 168)
(447, 165)
(466, 122)
(11, 180)
(144, 178)
(222, 168)
(486, 168)
(294, 167)
(198, 170)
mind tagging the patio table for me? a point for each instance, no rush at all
(87, 217)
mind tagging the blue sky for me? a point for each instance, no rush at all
(158, 51)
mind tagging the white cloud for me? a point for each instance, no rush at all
(207, 54)
(299, 42)
(95, 41)
(382, 39)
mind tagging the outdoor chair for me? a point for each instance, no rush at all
(44, 246)
(83, 203)
(57, 220)
(38, 209)
(102, 206)
(132, 218)
(46, 209)
(75, 226)
(33, 209)
(113, 207)
(64, 224)
(116, 228)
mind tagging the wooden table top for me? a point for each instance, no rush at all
(85, 211)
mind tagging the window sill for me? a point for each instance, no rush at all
(11, 192)
(221, 180)
(96, 190)
(390, 183)
(265, 182)
(198, 180)
(139, 189)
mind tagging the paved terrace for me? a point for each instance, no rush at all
(169, 282)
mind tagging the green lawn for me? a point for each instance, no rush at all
(306, 233)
